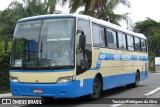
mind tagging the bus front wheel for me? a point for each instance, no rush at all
(96, 89)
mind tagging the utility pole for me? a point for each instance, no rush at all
(127, 19)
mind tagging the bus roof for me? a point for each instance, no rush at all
(48, 16)
(85, 17)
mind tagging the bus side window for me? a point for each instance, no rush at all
(137, 44)
(111, 39)
(143, 45)
(102, 36)
(96, 36)
(121, 41)
(130, 42)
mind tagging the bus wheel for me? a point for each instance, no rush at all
(137, 79)
(96, 89)
(48, 99)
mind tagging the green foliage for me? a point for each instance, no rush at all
(7, 22)
(4, 66)
(4, 74)
(2, 47)
(153, 44)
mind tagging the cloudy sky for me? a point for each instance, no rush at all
(140, 9)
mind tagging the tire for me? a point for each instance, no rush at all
(48, 99)
(96, 89)
(137, 79)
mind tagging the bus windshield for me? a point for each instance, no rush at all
(43, 43)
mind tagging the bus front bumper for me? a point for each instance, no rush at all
(57, 90)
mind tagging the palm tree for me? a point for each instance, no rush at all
(101, 9)
(110, 6)
(50, 6)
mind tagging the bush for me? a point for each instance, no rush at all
(4, 66)
(4, 72)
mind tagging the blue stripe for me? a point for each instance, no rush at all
(133, 57)
(94, 68)
(118, 57)
(143, 58)
(122, 57)
(64, 70)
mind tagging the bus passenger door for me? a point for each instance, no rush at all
(83, 58)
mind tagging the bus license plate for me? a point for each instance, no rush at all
(38, 91)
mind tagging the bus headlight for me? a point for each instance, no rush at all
(14, 79)
(65, 79)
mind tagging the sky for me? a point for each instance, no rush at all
(139, 11)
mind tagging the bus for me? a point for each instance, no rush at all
(72, 55)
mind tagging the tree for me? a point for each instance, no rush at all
(34, 7)
(148, 27)
(7, 22)
(101, 9)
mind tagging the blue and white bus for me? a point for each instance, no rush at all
(70, 55)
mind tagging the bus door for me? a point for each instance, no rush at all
(83, 57)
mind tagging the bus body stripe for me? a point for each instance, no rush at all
(117, 57)
(121, 57)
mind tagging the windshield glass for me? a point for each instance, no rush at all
(43, 43)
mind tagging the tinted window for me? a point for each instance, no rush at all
(137, 44)
(121, 40)
(130, 43)
(111, 39)
(96, 37)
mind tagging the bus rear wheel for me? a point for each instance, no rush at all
(96, 89)
(137, 79)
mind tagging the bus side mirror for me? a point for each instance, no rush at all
(82, 40)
